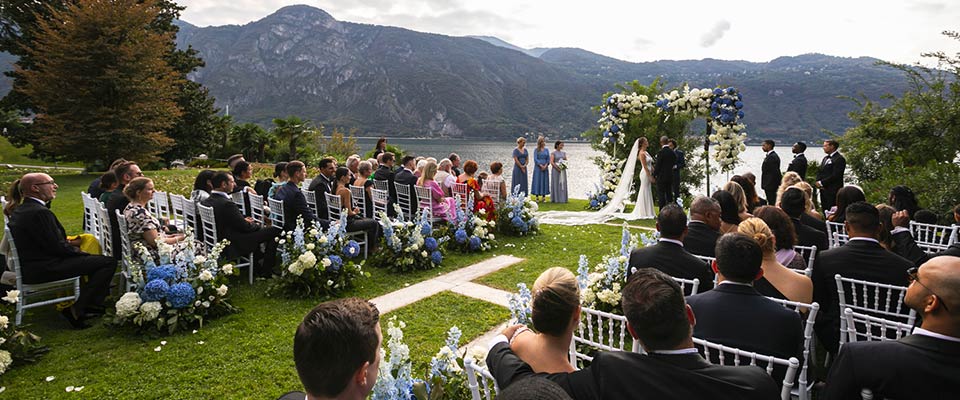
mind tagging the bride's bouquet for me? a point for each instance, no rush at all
(562, 165)
(604, 192)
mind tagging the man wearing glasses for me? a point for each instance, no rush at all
(45, 255)
(924, 365)
(125, 173)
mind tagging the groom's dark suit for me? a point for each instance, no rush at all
(624, 375)
(663, 171)
(830, 177)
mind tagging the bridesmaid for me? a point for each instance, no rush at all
(558, 177)
(541, 175)
(520, 167)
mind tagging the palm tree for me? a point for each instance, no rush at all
(261, 140)
(292, 130)
(244, 137)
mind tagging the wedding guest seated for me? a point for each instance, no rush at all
(202, 186)
(443, 207)
(555, 313)
(142, 226)
(385, 173)
(421, 162)
(704, 227)
(374, 164)
(355, 220)
(242, 172)
(365, 171)
(810, 216)
(455, 164)
(496, 175)
(925, 216)
(736, 314)
(294, 203)
(95, 189)
(924, 365)
(954, 249)
(896, 237)
(444, 177)
(233, 160)
(902, 198)
(740, 198)
(669, 255)
(108, 184)
(481, 201)
(860, 258)
(778, 281)
(45, 254)
(750, 193)
(534, 388)
(789, 179)
(846, 196)
(337, 350)
(118, 201)
(792, 203)
(660, 319)
(245, 234)
(729, 214)
(280, 178)
(323, 184)
(407, 176)
(353, 164)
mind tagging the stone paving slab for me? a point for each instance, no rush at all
(479, 269)
(481, 292)
(410, 294)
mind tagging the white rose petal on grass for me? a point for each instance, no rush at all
(200, 342)
(194, 331)
(78, 388)
(69, 388)
(158, 348)
(163, 342)
(51, 378)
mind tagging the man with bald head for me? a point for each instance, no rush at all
(703, 230)
(45, 255)
(924, 365)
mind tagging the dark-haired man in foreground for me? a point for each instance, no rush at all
(337, 350)
(659, 318)
(669, 254)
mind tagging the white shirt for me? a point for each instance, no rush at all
(924, 332)
(674, 352)
(735, 283)
(676, 242)
(865, 239)
(38, 201)
(224, 194)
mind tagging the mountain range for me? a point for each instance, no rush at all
(393, 81)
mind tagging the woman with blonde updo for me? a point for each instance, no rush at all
(555, 312)
(740, 196)
(777, 281)
(789, 179)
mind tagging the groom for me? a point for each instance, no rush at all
(663, 172)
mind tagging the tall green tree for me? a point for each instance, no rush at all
(293, 131)
(100, 84)
(251, 140)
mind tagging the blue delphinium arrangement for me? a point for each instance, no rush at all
(470, 232)
(520, 305)
(516, 217)
(600, 287)
(316, 263)
(408, 245)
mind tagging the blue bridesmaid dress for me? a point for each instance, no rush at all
(541, 177)
(519, 175)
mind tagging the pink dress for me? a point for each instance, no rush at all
(443, 207)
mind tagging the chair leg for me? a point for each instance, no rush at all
(251, 268)
(19, 318)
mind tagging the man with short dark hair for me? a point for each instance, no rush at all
(677, 168)
(770, 171)
(792, 202)
(861, 258)
(455, 163)
(669, 254)
(337, 350)
(660, 320)
(799, 162)
(663, 172)
(830, 175)
(703, 230)
(924, 365)
(294, 202)
(125, 172)
(385, 173)
(245, 234)
(735, 314)
(406, 177)
(323, 184)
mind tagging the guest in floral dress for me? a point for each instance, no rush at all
(143, 227)
(541, 173)
(443, 207)
(520, 167)
(481, 202)
(558, 174)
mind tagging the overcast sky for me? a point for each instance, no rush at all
(754, 30)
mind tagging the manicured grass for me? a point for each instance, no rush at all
(13, 155)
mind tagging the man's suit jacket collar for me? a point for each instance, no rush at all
(863, 244)
(736, 289)
(685, 361)
(799, 155)
(932, 344)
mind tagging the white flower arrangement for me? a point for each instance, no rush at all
(316, 263)
(600, 287)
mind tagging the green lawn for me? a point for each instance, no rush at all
(249, 355)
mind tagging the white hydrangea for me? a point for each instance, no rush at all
(587, 296)
(4, 321)
(128, 304)
(478, 354)
(222, 290)
(326, 262)
(199, 260)
(295, 268)
(150, 310)
(5, 360)
(323, 239)
(609, 296)
(308, 260)
(227, 269)
(206, 276)
(311, 246)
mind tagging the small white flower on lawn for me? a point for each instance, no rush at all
(51, 378)
(78, 388)
(69, 388)
(163, 342)
(194, 331)
(158, 348)
(200, 342)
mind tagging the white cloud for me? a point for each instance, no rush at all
(715, 34)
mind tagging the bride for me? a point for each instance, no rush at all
(644, 206)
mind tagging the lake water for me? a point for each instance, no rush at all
(583, 173)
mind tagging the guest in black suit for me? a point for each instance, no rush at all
(658, 317)
(455, 164)
(770, 171)
(385, 173)
(407, 177)
(663, 172)
(245, 234)
(799, 162)
(791, 202)
(677, 168)
(94, 190)
(703, 230)
(336, 350)
(830, 176)
(735, 314)
(45, 255)
(861, 258)
(924, 365)
(899, 239)
(118, 201)
(669, 255)
(294, 203)
(322, 185)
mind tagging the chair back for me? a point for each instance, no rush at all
(491, 187)
(176, 210)
(209, 223)
(91, 224)
(460, 191)
(106, 234)
(481, 382)
(688, 286)
(425, 200)
(709, 260)
(238, 199)
(862, 327)
(190, 216)
(358, 196)
(933, 238)
(809, 254)
(276, 212)
(333, 206)
(381, 184)
(877, 299)
(126, 248)
(49, 292)
(804, 382)
(836, 234)
(404, 199)
(163, 205)
(733, 356)
(256, 207)
(602, 331)
(311, 197)
(380, 199)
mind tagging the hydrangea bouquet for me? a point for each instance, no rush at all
(408, 246)
(600, 287)
(516, 216)
(17, 345)
(469, 232)
(316, 263)
(603, 192)
(180, 293)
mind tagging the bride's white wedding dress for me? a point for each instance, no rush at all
(644, 206)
